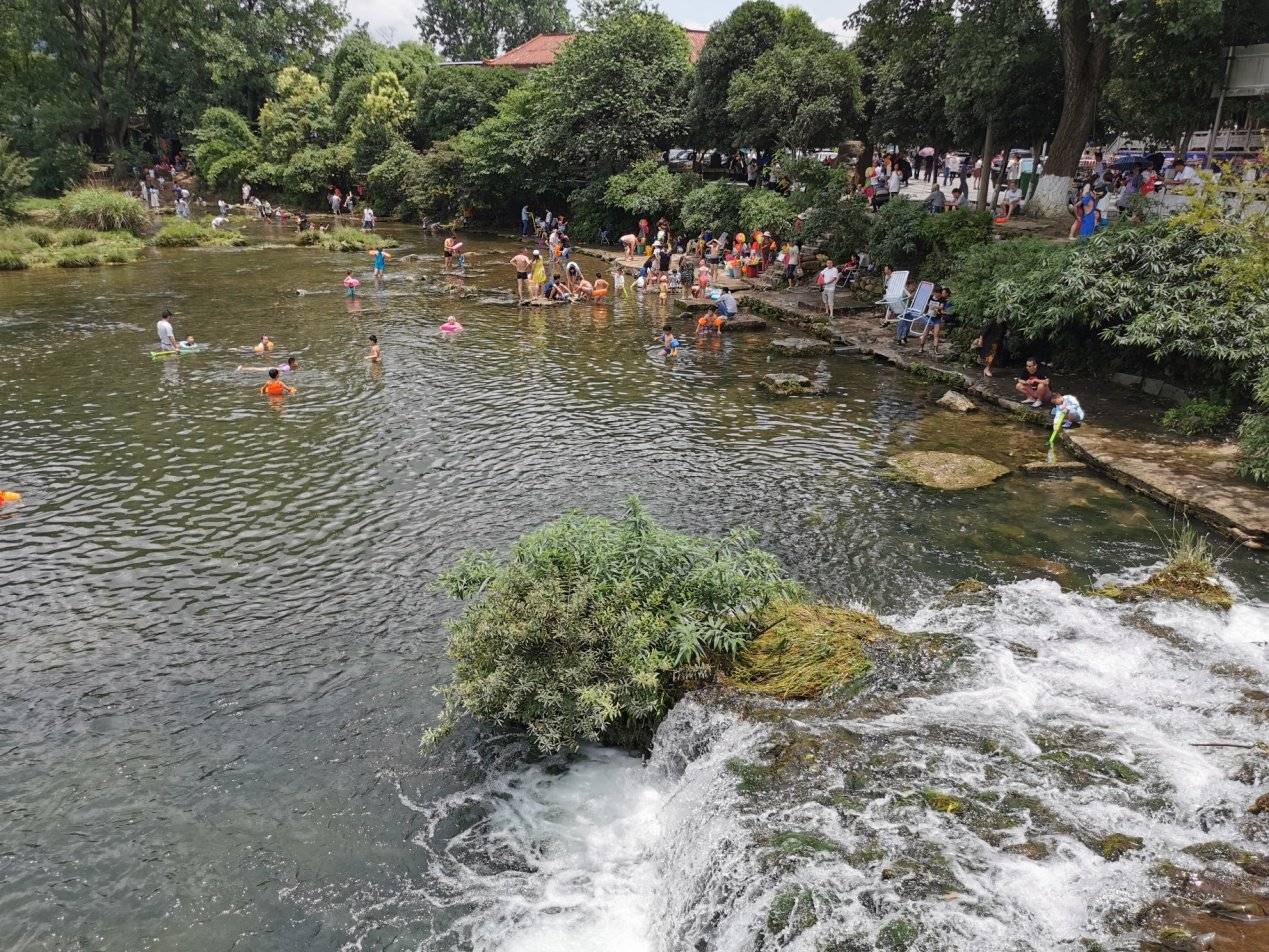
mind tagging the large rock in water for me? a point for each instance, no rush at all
(947, 470)
(801, 346)
(790, 385)
(957, 401)
(744, 322)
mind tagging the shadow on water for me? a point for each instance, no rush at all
(220, 638)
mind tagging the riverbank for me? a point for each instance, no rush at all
(1121, 439)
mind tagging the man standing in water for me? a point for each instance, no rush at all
(522, 264)
(167, 336)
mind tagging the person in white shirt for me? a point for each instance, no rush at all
(827, 280)
(367, 219)
(167, 336)
(1012, 199)
(896, 181)
(219, 222)
(246, 192)
(1068, 405)
(1182, 173)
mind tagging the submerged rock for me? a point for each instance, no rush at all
(1260, 806)
(957, 401)
(801, 346)
(744, 322)
(970, 589)
(1118, 845)
(1176, 939)
(791, 385)
(948, 471)
(1041, 467)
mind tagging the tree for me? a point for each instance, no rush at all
(593, 13)
(466, 30)
(378, 125)
(796, 96)
(15, 177)
(603, 103)
(765, 209)
(226, 151)
(299, 115)
(732, 47)
(902, 49)
(1008, 77)
(455, 98)
(650, 189)
(715, 206)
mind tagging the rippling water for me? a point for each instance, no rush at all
(219, 631)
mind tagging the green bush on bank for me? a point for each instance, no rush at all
(101, 209)
(27, 246)
(346, 239)
(78, 256)
(183, 233)
(11, 260)
(1199, 417)
(593, 627)
(1253, 445)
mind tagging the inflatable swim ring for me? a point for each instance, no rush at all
(7, 495)
(351, 283)
(451, 326)
(600, 293)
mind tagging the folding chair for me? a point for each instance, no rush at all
(915, 312)
(892, 297)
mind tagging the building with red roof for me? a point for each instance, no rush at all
(541, 50)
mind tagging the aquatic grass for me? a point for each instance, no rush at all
(1189, 574)
(101, 209)
(593, 627)
(73, 237)
(11, 260)
(77, 257)
(187, 234)
(805, 649)
(347, 239)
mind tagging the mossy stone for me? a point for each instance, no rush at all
(1115, 846)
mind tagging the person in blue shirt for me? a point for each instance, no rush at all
(381, 261)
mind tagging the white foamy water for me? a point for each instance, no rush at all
(615, 855)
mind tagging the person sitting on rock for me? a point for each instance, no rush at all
(1033, 383)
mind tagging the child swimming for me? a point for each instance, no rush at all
(275, 387)
(451, 326)
(375, 355)
(352, 284)
(264, 346)
(669, 343)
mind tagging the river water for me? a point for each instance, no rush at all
(220, 634)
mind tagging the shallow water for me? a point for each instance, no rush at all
(220, 637)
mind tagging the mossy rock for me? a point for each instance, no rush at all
(947, 471)
(1085, 769)
(967, 590)
(790, 385)
(1187, 583)
(805, 649)
(801, 346)
(743, 323)
(1115, 846)
(898, 935)
(801, 843)
(792, 912)
(1031, 849)
(942, 802)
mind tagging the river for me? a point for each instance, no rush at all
(220, 633)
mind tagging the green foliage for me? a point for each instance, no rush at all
(948, 236)
(391, 182)
(765, 209)
(898, 235)
(101, 209)
(435, 190)
(11, 260)
(801, 94)
(610, 98)
(650, 188)
(841, 227)
(348, 239)
(15, 177)
(77, 257)
(379, 122)
(715, 206)
(183, 233)
(225, 149)
(1253, 447)
(312, 169)
(449, 100)
(297, 117)
(70, 237)
(467, 31)
(35, 233)
(734, 44)
(593, 627)
(1197, 417)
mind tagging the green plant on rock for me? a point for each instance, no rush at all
(593, 627)
(15, 177)
(897, 935)
(187, 234)
(1198, 417)
(347, 239)
(842, 227)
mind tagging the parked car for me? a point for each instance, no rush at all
(681, 160)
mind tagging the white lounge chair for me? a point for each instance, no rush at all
(893, 298)
(914, 313)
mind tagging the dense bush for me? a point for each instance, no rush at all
(15, 177)
(948, 236)
(1253, 445)
(898, 235)
(187, 234)
(101, 209)
(391, 181)
(1197, 417)
(715, 206)
(70, 237)
(11, 260)
(841, 227)
(437, 191)
(649, 189)
(593, 627)
(226, 151)
(765, 209)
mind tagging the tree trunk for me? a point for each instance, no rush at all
(984, 180)
(1085, 57)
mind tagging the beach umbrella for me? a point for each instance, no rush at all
(928, 151)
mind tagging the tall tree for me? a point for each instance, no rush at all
(732, 47)
(455, 98)
(478, 29)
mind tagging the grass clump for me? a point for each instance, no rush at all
(1189, 575)
(77, 257)
(805, 649)
(35, 233)
(11, 260)
(593, 627)
(187, 234)
(74, 237)
(347, 239)
(1198, 417)
(101, 209)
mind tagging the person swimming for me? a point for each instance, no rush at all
(451, 326)
(375, 356)
(669, 343)
(264, 346)
(275, 387)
